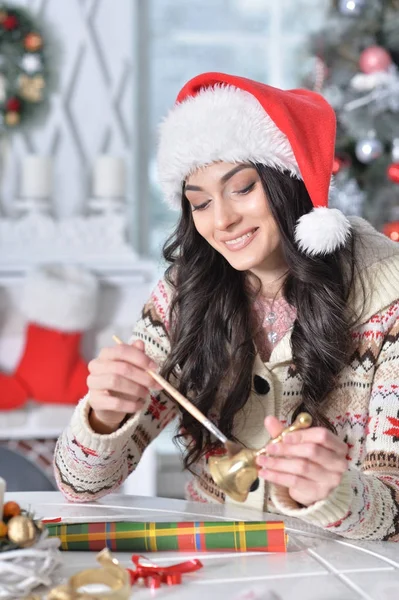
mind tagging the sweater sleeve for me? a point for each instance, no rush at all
(89, 465)
(366, 503)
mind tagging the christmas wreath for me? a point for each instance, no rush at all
(24, 68)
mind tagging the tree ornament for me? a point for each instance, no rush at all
(3, 530)
(12, 119)
(31, 63)
(340, 162)
(374, 59)
(22, 531)
(31, 88)
(391, 230)
(3, 16)
(11, 509)
(393, 172)
(33, 42)
(395, 150)
(13, 104)
(368, 149)
(351, 7)
(10, 23)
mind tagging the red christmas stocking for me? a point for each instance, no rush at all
(60, 304)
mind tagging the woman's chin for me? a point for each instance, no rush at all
(244, 263)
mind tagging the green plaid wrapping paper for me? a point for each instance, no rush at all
(235, 536)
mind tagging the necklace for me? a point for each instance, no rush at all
(276, 317)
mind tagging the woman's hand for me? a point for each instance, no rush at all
(118, 384)
(309, 462)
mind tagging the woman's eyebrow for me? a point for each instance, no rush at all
(223, 179)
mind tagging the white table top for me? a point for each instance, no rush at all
(317, 566)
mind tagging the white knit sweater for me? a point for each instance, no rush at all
(363, 407)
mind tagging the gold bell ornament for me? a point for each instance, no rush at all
(236, 472)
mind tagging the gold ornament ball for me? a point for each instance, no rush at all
(33, 42)
(12, 118)
(3, 529)
(22, 531)
(3, 16)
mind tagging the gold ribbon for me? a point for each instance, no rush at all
(111, 574)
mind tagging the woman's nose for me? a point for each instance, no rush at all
(224, 215)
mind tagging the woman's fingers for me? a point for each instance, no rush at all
(329, 460)
(115, 383)
(128, 353)
(273, 426)
(298, 466)
(123, 369)
(118, 403)
(318, 435)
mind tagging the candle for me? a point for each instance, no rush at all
(37, 177)
(109, 178)
(2, 492)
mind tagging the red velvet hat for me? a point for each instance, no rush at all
(220, 117)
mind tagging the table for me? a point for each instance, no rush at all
(317, 566)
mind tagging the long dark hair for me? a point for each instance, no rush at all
(212, 337)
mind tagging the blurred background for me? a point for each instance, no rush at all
(83, 87)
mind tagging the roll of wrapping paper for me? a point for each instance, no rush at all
(211, 536)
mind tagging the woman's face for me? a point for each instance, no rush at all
(231, 211)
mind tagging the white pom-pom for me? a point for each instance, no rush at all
(322, 231)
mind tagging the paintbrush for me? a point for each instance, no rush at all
(185, 403)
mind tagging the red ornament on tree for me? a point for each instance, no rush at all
(393, 172)
(10, 23)
(374, 59)
(391, 230)
(13, 105)
(339, 163)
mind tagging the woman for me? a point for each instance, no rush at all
(272, 304)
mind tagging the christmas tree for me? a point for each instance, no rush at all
(355, 66)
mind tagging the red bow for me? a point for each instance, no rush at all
(153, 575)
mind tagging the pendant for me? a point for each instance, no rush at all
(272, 336)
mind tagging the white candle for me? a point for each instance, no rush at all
(109, 177)
(37, 177)
(2, 492)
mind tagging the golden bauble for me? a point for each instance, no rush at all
(31, 88)
(11, 509)
(22, 531)
(3, 529)
(3, 16)
(12, 118)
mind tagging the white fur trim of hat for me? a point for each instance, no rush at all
(222, 123)
(62, 297)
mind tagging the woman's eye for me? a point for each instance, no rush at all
(200, 206)
(247, 189)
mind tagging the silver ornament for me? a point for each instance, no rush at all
(346, 195)
(395, 150)
(368, 150)
(31, 63)
(351, 7)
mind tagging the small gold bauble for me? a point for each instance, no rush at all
(3, 529)
(3, 16)
(22, 531)
(31, 88)
(12, 118)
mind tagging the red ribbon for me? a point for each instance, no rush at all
(154, 575)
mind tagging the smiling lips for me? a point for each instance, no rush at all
(241, 241)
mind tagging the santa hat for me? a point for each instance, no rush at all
(220, 117)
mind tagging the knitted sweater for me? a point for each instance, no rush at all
(363, 407)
